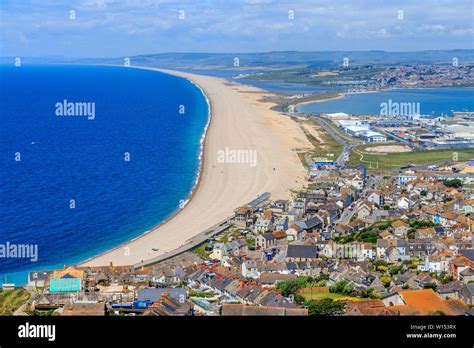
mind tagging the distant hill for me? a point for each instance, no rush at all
(282, 59)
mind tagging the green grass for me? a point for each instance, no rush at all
(394, 161)
(310, 75)
(327, 146)
(318, 295)
(10, 301)
(201, 251)
(231, 233)
(200, 294)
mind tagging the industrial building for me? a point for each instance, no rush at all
(361, 130)
(373, 137)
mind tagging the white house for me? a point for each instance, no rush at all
(263, 225)
(357, 182)
(250, 269)
(406, 177)
(403, 203)
(434, 263)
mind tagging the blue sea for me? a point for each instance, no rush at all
(83, 186)
(435, 102)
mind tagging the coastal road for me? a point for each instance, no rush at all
(190, 244)
(348, 146)
(203, 236)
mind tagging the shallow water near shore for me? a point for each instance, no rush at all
(73, 193)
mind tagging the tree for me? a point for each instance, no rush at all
(369, 293)
(349, 289)
(325, 306)
(430, 286)
(456, 183)
(288, 287)
(338, 287)
(386, 281)
(395, 269)
(291, 287)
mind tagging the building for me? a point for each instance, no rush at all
(66, 284)
(337, 116)
(229, 309)
(422, 302)
(38, 279)
(467, 294)
(169, 306)
(406, 177)
(267, 240)
(400, 228)
(154, 294)
(373, 137)
(300, 252)
(243, 217)
(81, 308)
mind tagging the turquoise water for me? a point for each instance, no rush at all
(76, 158)
(434, 102)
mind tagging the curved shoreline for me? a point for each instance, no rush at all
(341, 95)
(197, 180)
(242, 122)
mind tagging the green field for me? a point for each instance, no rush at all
(393, 161)
(316, 76)
(315, 294)
(10, 301)
(327, 146)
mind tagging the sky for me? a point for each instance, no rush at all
(114, 28)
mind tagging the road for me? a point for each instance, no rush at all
(201, 237)
(348, 146)
(190, 244)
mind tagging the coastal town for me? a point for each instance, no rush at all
(209, 173)
(376, 77)
(358, 240)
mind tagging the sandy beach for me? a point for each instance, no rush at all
(240, 121)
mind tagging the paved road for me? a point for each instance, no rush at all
(348, 146)
(201, 237)
(190, 244)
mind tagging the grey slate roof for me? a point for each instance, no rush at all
(469, 253)
(302, 251)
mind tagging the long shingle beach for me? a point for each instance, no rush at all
(239, 121)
